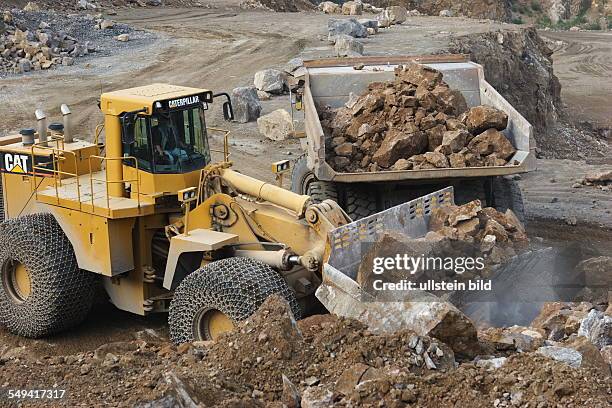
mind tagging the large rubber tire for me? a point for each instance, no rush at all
(359, 202)
(506, 191)
(60, 293)
(301, 176)
(235, 287)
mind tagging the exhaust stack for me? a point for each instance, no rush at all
(67, 131)
(27, 136)
(41, 120)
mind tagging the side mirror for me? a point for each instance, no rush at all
(228, 111)
(127, 125)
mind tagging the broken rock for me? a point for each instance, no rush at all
(329, 7)
(352, 8)
(481, 118)
(276, 125)
(492, 141)
(397, 14)
(398, 144)
(347, 46)
(597, 327)
(565, 355)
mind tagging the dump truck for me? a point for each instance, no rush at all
(330, 82)
(145, 213)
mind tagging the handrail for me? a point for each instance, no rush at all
(226, 152)
(98, 132)
(57, 154)
(107, 181)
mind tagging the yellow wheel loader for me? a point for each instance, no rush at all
(163, 228)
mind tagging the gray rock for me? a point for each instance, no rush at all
(67, 61)
(246, 104)
(446, 13)
(563, 354)
(293, 65)
(271, 80)
(24, 65)
(154, 3)
(597, 327)
(369, 23)
(316, 397)
(348, 26)
(491, 363)
(397, 14)
(347, 46)
(85, 5)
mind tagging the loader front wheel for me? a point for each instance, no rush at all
(42, 290)
(211, 300)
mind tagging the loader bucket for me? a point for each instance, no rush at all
(521, 285)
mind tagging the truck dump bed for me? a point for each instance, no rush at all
(330, 82)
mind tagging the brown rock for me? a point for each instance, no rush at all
(551, 317)
(492, 227)
(345, 149)
(450, 101)
(435, 136)
(456, 160)
(455, 124)
(464, 212)
(492, 141)
(436, 159)
(398, 144)
(481, 118)
(599, 177)
(591, 357)
(337, 141)
(401, 164)
(350, 377)
(419, 75)
(468, 227)
(438, 217)
(340, 162)
(427, 122)
(426, 99)
(493, 160)
(453, 141)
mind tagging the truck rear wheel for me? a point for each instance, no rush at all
(42, 289)
(211, 300)
(359, 202)
(303, 181)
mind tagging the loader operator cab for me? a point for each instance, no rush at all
(168, 141)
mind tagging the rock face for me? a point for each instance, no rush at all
(522, 58)
(415, 122)
(246, 104)
(345, 26)
(347, 46)
(494, 10)
(276, 125)
(271, 80)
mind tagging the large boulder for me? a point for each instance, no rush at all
(483, 117)
(276, 125)
(348, 26)
(400, 144)
(347, 46)
(384, 20)
(246, 104)
(369, 23)
(492, 141)
(271, 80)
(397, 14)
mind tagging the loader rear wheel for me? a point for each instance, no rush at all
(211, 300)
(42, 290)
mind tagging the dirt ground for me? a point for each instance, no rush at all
(220, 47)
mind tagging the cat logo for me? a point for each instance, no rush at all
(16, 163)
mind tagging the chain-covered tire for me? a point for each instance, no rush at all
(42, 289)
(359, 202)
(223, 293)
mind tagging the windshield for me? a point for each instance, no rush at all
(172, 142)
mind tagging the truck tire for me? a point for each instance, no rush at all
(359, 203)
(301, 176)
(506, 191)
(42, 289)
(214, 298)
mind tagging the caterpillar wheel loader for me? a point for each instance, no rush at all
(164, 228)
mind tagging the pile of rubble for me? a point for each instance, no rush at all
(278, 5)
(36, 40)
(497, 235)
(416, 122)
(600, 179)
(272, 360)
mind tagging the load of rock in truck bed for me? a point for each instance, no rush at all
(415, 122)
